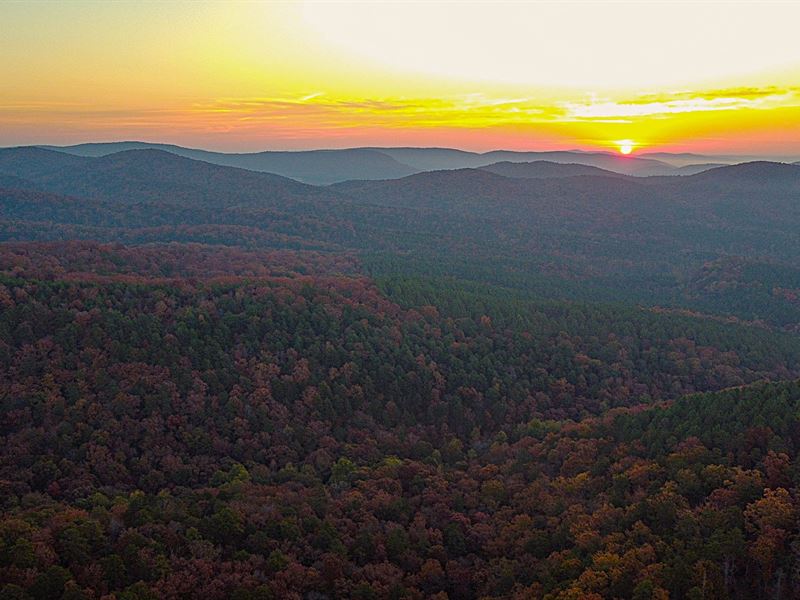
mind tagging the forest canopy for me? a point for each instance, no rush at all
(466, 384)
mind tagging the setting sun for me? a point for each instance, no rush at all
(625, 146)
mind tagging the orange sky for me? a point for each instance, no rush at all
(714, 77)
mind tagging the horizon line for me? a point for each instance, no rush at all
(633, 154)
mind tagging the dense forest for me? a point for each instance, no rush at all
(221, 383)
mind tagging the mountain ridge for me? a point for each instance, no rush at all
(148, 174)
(317, 167)
(327, 166)
(543, 169)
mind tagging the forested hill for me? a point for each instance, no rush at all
(150, 175)
(543, 169)
(222, 383)
(270, 424)
(314, 166)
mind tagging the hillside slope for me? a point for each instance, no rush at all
(312, 166)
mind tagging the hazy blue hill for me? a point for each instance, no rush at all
(483, 183)
(543, 169)
(670, 156)
(148, 175)
(435, 159)
(312, 166)
(712, 212)
(617, 203)
(682, 159)
(320, 166)
(627, 165)
(762, 197)
(432, 188)
(143, 196)
(693, 169)
(28, 162)
(332, 166)
(756, 172)
(685, 159)
(431, 159)
(97, 149)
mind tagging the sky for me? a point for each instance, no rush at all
(705, 77)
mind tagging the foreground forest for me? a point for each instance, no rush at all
(180, 419)
(505, 382)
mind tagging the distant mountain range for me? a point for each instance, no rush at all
(564, 229)
(133, 176)
(681, 159)
(323, 167)
(544, 169)
(312, 166)
(432, 159)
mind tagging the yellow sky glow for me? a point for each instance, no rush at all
(711, 77)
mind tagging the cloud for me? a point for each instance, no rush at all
(483, 110)
(663, 105)
(311, 96)
(470, 110)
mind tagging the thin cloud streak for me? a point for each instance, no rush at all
(686, 102)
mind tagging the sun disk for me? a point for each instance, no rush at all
(625, 146)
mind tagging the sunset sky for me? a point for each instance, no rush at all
(715, 77)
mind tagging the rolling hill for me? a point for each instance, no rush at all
(761, 172)
(431, 159)
(151, 175)
(331, 166)
(314, 166)
(543, 169)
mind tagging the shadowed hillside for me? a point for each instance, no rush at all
(543, 169)
(313, 166)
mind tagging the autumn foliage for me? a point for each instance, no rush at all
(181, 421)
